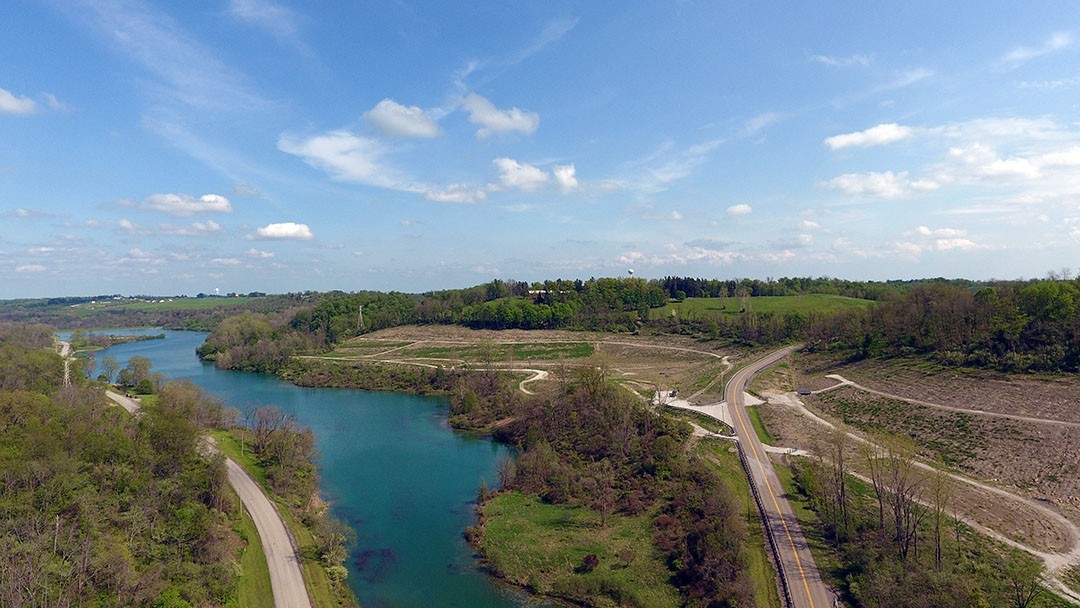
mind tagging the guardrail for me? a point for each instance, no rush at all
(768, 529)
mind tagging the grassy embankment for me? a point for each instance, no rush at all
(724, 459)
(320, 589)
(732, 307)
(542, 547)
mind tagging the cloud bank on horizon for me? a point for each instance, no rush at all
(265, 145)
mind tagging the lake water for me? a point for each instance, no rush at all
(391, 468)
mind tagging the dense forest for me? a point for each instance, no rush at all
(1016, 327)
(102, 509)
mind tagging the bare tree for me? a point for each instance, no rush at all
(600, 483)
(838, 444)
(109, 367)
(941, 493)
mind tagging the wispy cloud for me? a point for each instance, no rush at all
(184, 70)
(1056, 42)
(553, 32)
(759, 123)
(842, 62)
(279, 21)
(667, 164)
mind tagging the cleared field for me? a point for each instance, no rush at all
(733, 307)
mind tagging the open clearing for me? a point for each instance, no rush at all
(1019, 460)
(731, 307)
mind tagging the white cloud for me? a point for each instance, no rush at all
(851, 60)
(183, 204)
(566, 177)
(395, 119)
(345, 157)
(675, 215)
(195, 229)
(285, 230)
(456, 193)
(128, 225)
(31, 268)
(494, 121)
(941, 232)
(874, 136)
(225, 262)
(513, 174)
(1011, 168)
(887, 185)
(1056, 42)
(740, 209)
(10, 104)
(962, 244)
(809, 225)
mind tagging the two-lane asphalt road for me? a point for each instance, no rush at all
(801, 575)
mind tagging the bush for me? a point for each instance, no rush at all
(144, 387)
(588, 564)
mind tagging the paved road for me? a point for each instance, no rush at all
(286, 580)
(801, 575)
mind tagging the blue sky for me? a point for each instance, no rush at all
(257, 145)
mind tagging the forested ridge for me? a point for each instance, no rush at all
(1007, 325)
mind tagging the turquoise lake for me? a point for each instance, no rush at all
(391, 468)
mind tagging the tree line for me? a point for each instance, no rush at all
(1010, 326)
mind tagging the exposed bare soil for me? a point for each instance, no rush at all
(1051, 397)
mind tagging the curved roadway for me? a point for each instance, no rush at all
(801, 576)
(286, 580)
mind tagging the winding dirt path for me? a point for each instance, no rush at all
(845, 382)
(1055, 561)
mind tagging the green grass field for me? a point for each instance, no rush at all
(502, 352)
(542, 546)
(732, 307)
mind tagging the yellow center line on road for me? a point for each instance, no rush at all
(765, 478)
